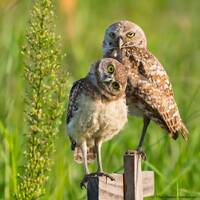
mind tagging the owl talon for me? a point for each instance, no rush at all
(103, 174)
(106, 175)
(84, 181)
(86, 178)
(142, 154)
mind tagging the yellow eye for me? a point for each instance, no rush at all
(130, 34)
(115, 85)
(110, 69)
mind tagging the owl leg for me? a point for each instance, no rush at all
(84, 152)
(100, 172)
(146, 122)
(85, 164)
(99, 161)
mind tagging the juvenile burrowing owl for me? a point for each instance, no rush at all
(97, 111)
(149, 93)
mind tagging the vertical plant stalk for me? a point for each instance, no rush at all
(45, 98)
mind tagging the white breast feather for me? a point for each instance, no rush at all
(97, 119)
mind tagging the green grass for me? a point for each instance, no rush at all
(172, 28)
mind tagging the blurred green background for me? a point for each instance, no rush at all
(173, 31)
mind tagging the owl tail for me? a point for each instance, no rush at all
(181, 130)
(184, 132)
(78, 157)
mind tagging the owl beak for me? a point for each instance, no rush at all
(120, 42)
(107, 79)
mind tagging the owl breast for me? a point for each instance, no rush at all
(97, 119)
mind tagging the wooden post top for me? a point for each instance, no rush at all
(134, 184)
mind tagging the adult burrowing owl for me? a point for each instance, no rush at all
(149, 92)
(97, 110)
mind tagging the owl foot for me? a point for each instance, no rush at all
(97, 174)
(106, 175)
(142, 153)
(85, 180)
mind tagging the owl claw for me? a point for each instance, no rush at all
(142, 153)
(86, 178)
(84, 181)
(106, 175)
(97, 174)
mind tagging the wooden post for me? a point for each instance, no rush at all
(102, 188)
(134, 184)
(133, 188)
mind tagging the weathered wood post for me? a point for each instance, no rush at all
(134, 184)
(133, 187)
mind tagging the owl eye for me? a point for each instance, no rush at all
(115, 85)
(110, 69)
(130, 34)
(112, 34)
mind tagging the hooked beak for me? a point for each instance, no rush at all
(120, 42)
(107, 79)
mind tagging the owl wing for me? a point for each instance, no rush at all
(154, 93)
(75, 91)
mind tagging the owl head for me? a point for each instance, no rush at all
(123, 34)
(110, 76)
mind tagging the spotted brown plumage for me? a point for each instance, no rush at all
(152, 89)
(149, 92)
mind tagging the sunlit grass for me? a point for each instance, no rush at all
(172, 29)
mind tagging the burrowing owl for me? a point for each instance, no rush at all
(149, 91)
(97, 110)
